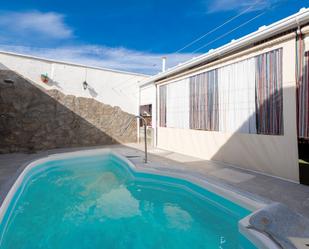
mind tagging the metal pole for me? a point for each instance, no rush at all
(145, 135)
(145, 138)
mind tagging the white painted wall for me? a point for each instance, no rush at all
(147, 97)
(274, 155)
(111, 87)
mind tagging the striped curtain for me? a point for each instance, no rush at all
(177, 104)
(204, 101)
(162, 105)
(303, 100)
(302, 83)
(269, 98)
(237, 97)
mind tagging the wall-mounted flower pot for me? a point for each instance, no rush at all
(44, 78)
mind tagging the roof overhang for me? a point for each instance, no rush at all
(265, 32)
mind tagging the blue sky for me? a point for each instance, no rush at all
(131, 35)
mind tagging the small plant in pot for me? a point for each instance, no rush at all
(44, 78)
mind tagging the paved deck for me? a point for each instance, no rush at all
(250, 184)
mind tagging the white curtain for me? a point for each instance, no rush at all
(177, 104)
(236, 84)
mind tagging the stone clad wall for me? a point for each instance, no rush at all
(33, 119)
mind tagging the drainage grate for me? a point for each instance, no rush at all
(132, 156)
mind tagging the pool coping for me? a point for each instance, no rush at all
(260, 240)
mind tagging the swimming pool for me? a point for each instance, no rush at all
(99, 201)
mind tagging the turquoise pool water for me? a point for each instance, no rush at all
(99, 202)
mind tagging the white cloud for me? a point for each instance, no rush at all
(33, 28)
(49, 25)
(101, 56)
(238, 5)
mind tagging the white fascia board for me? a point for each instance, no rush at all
(264, 32)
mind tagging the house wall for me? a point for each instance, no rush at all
(274, 155)
(147, 97)
(106, 86)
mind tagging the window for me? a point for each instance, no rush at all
(204, 101)
(177, 104)
(303, 96)
(269, 98)
(162, 106)
(244, 97)
(146, 112)
(237, 97)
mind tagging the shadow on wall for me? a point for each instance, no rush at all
(33, 119)
(56, 84)
(53, 83)
(269, 153)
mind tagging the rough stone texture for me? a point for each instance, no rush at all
(33, 119)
